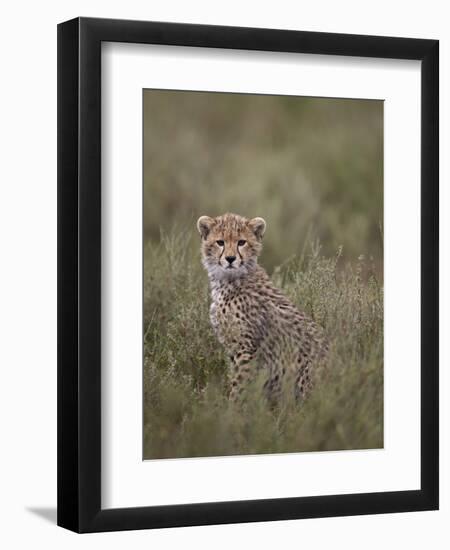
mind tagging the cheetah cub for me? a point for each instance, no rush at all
(258, 326)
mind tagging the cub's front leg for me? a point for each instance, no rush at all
(240, 342)
(242, 371)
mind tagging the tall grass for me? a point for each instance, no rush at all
(313, 168)
(186, 408)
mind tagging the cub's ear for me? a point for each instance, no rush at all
(258, 226)
(204, 224)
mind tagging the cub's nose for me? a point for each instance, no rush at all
(230, 259)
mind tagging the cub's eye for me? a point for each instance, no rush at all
(241, 243)
(220, 243)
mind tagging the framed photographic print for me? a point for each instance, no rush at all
(248, 275)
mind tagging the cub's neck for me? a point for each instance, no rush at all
(222, 282)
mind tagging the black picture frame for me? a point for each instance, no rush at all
(79, 274)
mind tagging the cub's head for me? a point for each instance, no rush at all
(231, 244)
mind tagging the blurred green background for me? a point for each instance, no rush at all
(312, 167)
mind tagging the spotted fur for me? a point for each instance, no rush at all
(259, 327)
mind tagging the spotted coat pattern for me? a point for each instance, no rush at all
(258, 326)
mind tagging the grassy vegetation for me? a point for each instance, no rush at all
(313, 169)
(187, 412)
(308, 166)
